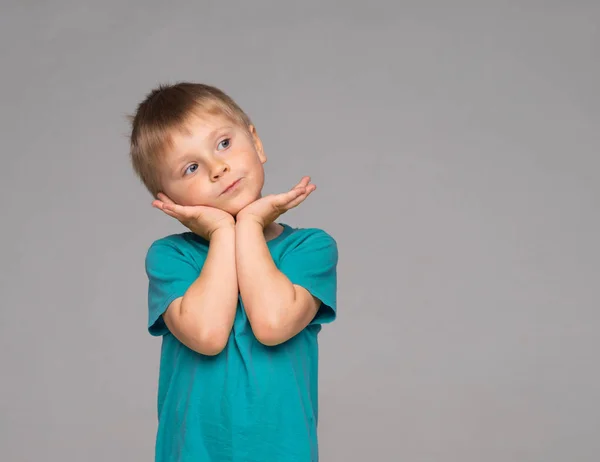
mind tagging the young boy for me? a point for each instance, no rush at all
(240, 298)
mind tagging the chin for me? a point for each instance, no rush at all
(235, 207)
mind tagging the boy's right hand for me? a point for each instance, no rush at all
(199, 219)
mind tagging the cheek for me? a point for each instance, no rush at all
(192, 192)
(253, 165)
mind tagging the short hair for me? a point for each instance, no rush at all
(166, 109)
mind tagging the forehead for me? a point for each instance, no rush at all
(200, 126)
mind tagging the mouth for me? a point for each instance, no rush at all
(231, 187)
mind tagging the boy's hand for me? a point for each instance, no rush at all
(199, 219)
(267, 209)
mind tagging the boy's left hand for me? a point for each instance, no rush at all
(267, 209)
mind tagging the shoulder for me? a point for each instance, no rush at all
(182, 245)
(310, 235)
(309, 240)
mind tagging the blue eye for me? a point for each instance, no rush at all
(191, 169)
(226, 142)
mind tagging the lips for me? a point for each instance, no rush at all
(231, 186)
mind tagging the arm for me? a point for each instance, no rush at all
(276, 308)
(203, 317)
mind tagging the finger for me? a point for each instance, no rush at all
(167, 209)
(306, 189)
(159, 205)
(164, 208)
(164, 198)
(296, 203)
(284, 198)
(310, 188)
(179, 210)
(172, 214)
(299, 199)
(304, 182)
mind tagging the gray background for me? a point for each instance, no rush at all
(456, 153)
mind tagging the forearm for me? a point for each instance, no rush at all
(268, 295)
(209, 304)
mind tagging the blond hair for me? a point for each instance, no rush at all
(166, 109)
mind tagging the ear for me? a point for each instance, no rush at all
(257, 144)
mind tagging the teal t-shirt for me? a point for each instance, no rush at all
(251, 402)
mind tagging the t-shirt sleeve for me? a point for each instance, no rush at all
(312, 264)
(170, 273)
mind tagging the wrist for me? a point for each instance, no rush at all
(249, 220)
(222, 229)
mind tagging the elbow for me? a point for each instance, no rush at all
(210, 349)
(194, 333)
(269, 333)
(269, 339)
(211, 343)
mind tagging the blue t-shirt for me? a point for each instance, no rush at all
(250, 402)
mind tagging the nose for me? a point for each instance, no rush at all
(218, 170)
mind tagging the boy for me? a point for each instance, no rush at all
(239, 299)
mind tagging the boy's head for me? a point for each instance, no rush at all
(192, 142)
